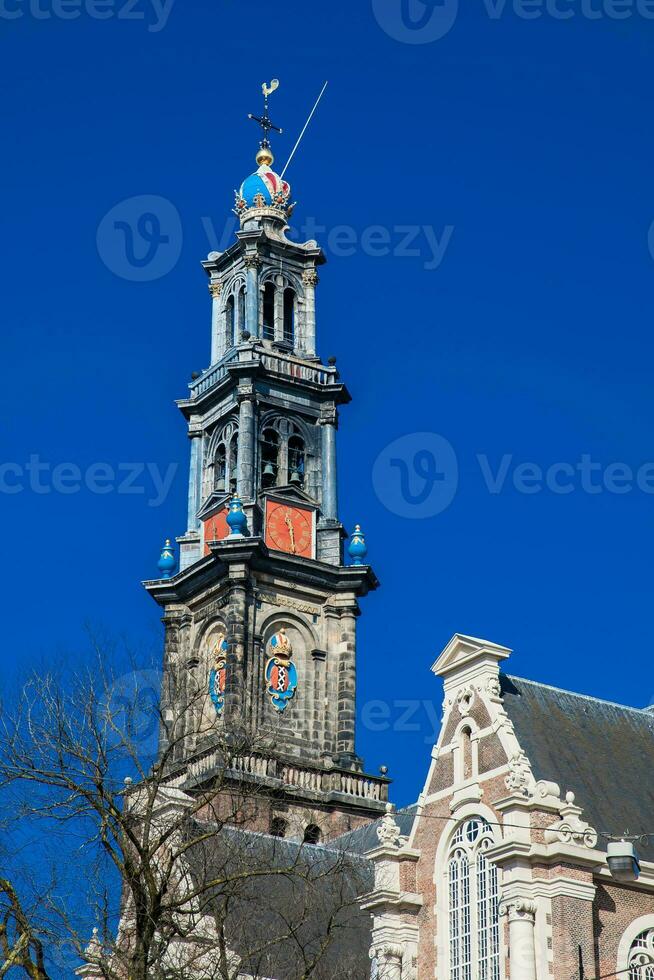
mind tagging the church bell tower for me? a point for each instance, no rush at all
(260, 619)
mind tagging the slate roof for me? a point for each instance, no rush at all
(283, 900)
(603, 752)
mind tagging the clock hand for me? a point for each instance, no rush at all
(291, 532)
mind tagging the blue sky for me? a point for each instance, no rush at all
(510, 157)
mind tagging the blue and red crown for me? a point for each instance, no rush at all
(264, 190)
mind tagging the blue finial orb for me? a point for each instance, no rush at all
(236, 518)
(167, 562)
(358, 548)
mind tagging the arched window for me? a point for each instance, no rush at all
(473, 897)
(312, 834)
(231, 321)
(269, 458)
(225, 459)
(296, 460)
(269, 311)
(641, 956)
(289, 316)
(278, 827)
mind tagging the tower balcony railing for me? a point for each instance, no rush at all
(287, 367)
(276, 363)
(291, 774)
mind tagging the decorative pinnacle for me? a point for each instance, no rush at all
(264, 156)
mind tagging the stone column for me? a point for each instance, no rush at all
(246, 447)
(347, 685)
(310, 280)
(195, 482)
(252, 263)
(329, 475)
(521, 913)
(217, 322)
(279, 309)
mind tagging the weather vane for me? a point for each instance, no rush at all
(264, 121)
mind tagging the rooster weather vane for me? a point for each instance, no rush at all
(265, 121)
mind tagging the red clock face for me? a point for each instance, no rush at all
(289, 528)
(215, 528)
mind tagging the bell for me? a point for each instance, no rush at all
(220, 485)
(295, 477)
(269, 469)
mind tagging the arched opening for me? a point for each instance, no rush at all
(466, 754)
(269, 458)
(269, 311)
(241, 311)
(278, 827)
(289, 316)
(220, 468)
(296, 460)
(231, 322)
(312, 834)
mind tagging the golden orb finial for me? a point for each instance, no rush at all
(265, 157)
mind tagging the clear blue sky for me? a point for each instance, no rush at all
(531, 138)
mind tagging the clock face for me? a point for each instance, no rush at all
(216, 528)
(289, 528)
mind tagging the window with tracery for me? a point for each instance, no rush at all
(641, 957)
(473, 899)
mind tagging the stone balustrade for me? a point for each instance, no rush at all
(276, 363)
(318, 780)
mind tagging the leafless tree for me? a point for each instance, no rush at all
(203, 895)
